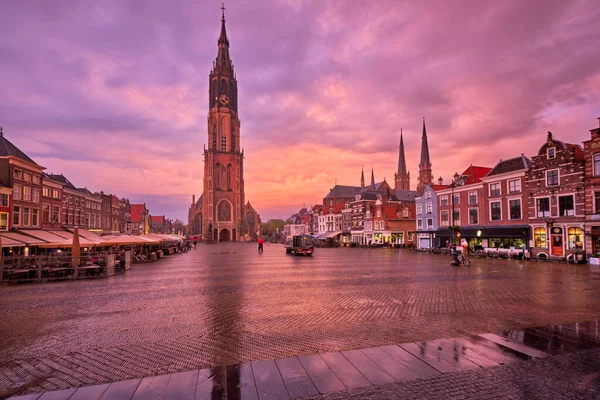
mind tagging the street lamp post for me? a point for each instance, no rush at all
(454, 261)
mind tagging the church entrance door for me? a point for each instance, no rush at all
(224, 236)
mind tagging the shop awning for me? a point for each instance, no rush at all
(506, 231)
(329, 235)
(87, 234)
(13, 239)
(42, 235)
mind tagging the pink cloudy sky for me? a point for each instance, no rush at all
(114, 93)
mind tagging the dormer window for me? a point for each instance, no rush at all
(551, 152)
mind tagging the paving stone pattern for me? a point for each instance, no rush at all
(368, 369)
(226, 304)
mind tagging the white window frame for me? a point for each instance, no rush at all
(28, 221)
(2, 198)
(420, 224)
(428, 208)
(490, 206)
(499, 189)
(428, 195)
(508, 186)
(553, 152)
(558, 204)
(419, 209)
(443, 199)
(594, 164)
(549, 207)
(405, 213)
(17, 214)
(476, 197)
(447, 222)
(44, 206)
(38, 217)
(558, 180)
(520, 206)
(35, 195)
(476, 209)
(429, 226)
(57, 215)
(457, 201)
(4, 214)
(27, 193)
(596, 209)
(17, 192)
(456, 210)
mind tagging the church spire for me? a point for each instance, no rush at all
(425, 175)
(223, 63)
(402, 177)
(223, 37)
(362, 177)
(372, 178)
(424, 149)
(401, 159)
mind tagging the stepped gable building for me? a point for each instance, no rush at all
(591, 150)
(425, 174)
(223, 211)
(556, 199)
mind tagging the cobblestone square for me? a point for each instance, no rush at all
(226, 304)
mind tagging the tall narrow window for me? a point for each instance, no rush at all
(217, 176)
(539, 237)
(229, 177)
(495, 211)
(515, 209)
(473, 216)
(552, 178)
(223, 143)
(566, 206)
(596, 164)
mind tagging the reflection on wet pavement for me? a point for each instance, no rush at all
(337, 371)
(227, 305)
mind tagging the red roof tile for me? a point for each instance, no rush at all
(136, 212)
(475, 174)
(160, 219)
(439, 187)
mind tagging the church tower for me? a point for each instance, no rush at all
(402, 177)
(425, 175)
(223, 199)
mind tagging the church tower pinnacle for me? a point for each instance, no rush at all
(372, 179)
(223, 207)
(425, 175)
(362, 178)
(402, 177)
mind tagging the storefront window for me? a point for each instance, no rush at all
(397, 237)
(575, 238)
(539, 237)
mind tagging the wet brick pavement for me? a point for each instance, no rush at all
(226, 304)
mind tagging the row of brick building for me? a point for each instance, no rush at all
(548, 206)
(30, 198)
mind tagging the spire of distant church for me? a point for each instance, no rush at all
(424, 149)
(223, 63)
(372, 178)
(362, 177)
(425, 175)
(401, 158)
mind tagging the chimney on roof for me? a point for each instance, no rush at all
(193, 199)
(1, 134)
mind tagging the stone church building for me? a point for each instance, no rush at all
(221, 212)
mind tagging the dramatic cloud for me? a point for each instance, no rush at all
(114, 94)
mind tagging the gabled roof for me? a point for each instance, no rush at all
(474, 174)
(62, 179)
(9, 149)
(136, 212)
(159, 219)
(343, 191)
(511, 165)
(439, 187)
(405, 195)
(87, 192)
(200, 200)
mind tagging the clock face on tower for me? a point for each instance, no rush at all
(223, 99)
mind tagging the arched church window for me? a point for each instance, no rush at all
(218, 176)
(229, 169)
(214, 137)
(224, 211)
(215, 93)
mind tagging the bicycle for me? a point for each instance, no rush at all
(464, 260)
